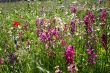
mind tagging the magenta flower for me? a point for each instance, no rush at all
(63, 43)
(39, 21)
(73, 26)
(72, 68)
(54, 31)
(90, 51)
(13, 58)
(45, 36)
(48, 35)
(104, 41)
(91, 61)
(89, 20)
(92, 56)
(39, 31)
(91, 17)
(103, 17)
(73, 9)
(70, 54)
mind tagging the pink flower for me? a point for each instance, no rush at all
(73, 26)
(104, 41)
(92, 56)
(54, 31)
(103, 17)
(70, 54)
(13, 58)
(45, 36)
(73, 9)
(46, 46)
(39, 21)
(63, 43)
(90, 51)
(1, 61)
(72, 68)
(89, 19)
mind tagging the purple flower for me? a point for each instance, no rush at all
(90, 51)
(45, 36)
(63, 43)
(91, 17)
(103, 17)
(73, 9)
(92, 56)
(13, 58)
(73, 26)
(70, 54)
(89, 20)
(91, 61)
(39, 31)
(104, 41)
(54, 31)
(39, 21)
(72, 68)
(48, 35)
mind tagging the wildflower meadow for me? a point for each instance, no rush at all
(55, 36)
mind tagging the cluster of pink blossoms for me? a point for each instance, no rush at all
(73, 9)
(48, 35)
(73, 26)
(104, 41)
(70, 54)
(89, 19)
(92, 56)
(103, 18)
(103, 15)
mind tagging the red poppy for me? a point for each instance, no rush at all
(16, 24)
